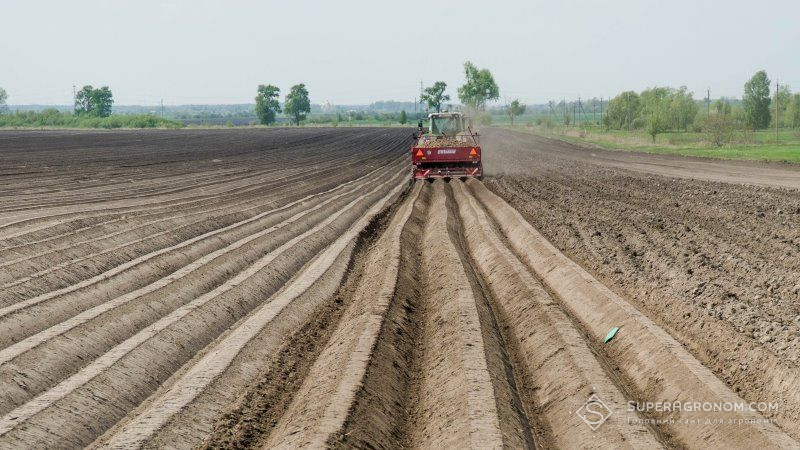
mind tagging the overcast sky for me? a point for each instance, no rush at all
(356, 52)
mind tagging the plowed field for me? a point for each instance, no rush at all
(291, 288)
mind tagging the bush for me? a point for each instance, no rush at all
(54, 118)
(719, 128)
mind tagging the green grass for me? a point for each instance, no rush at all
(758, 146)
(52, 118)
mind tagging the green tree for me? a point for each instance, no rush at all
(794, 111)
(102, 101)
(719, 128)
(267, 106)
(403, 117)
(756, 101)
(657, 110)
(783, 100)
(623, 111)
(656, 121)
(297, 103)
(83, 100)
(94, 102)
(479, 87)
(434, 96)
(683, 108)
(3, 98)
(515, 109)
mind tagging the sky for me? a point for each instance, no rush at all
(358, 51)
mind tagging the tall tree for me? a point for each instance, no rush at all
(515, 109)
(479, 87)
(623, 110)
(434, 96)
(783, 99)
(756, 101)
(683, 108)
(94, 102)
(102, 101)
(403, 119)
(297, 103)
(656, 120)
(83, 100)
(794, 111)
(267, 106)
(3, 98)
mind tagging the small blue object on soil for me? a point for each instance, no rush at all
(611, 335)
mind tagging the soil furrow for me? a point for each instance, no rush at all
(378, 147)
(456, 406)
(193, 181)
(556, 368)
(65, 275)
(334, 380)
(650, 358)
(74, 342)
(145, 360)
(106, 229)
(193, 383)
(119, 280)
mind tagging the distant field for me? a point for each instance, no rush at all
(759, 145)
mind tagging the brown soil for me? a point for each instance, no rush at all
(711, 262)
(263, 288)
(122, 305)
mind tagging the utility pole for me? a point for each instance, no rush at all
(708, 102)
(552, 105)
(777, 108)
(628, 103)
(601, 109)
(421, 109)
(573, 113)
(162, 108)
(416, 114)
(74, 95)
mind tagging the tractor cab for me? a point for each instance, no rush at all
(449, 124)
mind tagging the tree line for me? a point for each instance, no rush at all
(661, 109)
(91, 109)
(478, 89)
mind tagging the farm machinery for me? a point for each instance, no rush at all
(447, 148)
